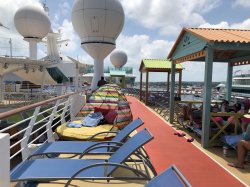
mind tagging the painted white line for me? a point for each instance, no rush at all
(195, 145)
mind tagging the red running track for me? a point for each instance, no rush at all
(167, 149)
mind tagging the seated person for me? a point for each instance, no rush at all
(101, 82)
(244, 120)
(243, 147)
(223, 108)
(194, 115)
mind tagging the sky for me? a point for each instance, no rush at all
(150, 30)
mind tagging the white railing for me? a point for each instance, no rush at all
(23, 98)
(18, 139)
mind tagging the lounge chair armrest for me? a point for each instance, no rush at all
(106, 164)
(101, 145)
(98, 147)
(104, 132)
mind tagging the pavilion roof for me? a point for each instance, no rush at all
(230, 45)
(158, 65)
(221, 35)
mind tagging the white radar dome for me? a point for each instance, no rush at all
(98, 24)
(118, 58)
(32, 22)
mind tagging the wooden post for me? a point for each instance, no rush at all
(229, 81)
(146, 95)
(207, 97)
(141, 86)
(168, 82)
(180, 78)
(171, 106)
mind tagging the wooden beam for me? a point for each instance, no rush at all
(146, 94)
(161, 69)
(229, 81)
(168, 82)
(180, 78)
(207, 97)
(240, 59)
(241, 63)
(171, 106)
(232, 46)
(140, 86)
(189, 57)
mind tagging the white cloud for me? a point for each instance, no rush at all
(62, 13)
(242, 3)
(241, 25)
(166, 15)
(222, 24)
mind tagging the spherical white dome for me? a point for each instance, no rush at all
(98, 21)
(32, 22)
(118, 58)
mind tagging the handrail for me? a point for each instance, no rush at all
(24, 108)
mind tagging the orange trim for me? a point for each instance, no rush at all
(192, 56)
(241, 63)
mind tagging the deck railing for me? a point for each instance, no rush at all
(23, 98)
(17, 140)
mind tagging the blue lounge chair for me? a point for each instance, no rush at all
(171, 177)
(70, 169)
(88, 147)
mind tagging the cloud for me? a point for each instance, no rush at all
(166, 15)
(223, 24)
(242, 3)
(62, 13)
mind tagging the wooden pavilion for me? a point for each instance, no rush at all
(231, 46)
(157, 65)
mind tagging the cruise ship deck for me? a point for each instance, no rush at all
(166, 149)
(201, 167)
